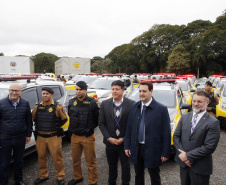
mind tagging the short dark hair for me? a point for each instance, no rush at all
(135, 75)
(209, 83)
(119, 83)
(202, 93)
(149, 84)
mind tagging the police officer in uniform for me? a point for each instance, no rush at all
(49, 116)
(135, 79)
(211, 108)
(83, 112)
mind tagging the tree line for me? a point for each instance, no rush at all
(198, 47)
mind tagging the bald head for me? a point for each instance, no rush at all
(14, 92)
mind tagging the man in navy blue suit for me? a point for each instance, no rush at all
(148, 135)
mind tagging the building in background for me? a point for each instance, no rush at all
(72, 65)
(18, 65)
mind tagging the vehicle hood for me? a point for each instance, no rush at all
(172, 113)
(101, 92)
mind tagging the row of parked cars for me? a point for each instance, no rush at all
(175, 93)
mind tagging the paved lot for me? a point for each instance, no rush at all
(169, 170)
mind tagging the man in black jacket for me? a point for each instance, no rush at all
(83, 112)
(15, 132)
(112, 122)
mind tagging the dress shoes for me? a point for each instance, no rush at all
(74, 182)
(20, 183)
(60, 182)
(39, 181)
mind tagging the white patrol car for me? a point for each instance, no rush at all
(32, 93)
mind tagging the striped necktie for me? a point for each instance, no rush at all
(194, 122)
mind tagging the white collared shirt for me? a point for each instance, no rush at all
(118, 104)
(147, 104)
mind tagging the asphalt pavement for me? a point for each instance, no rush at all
(169, 170)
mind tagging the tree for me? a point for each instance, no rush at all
(178, 60)
(44, 62)
(1, 54)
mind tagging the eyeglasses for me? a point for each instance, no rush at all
(199, 101)
(13, 90)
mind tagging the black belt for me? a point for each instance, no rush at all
(48, 135)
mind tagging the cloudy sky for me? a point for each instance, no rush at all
(87, 28)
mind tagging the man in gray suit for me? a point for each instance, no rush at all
(196, 138)
(112, 122)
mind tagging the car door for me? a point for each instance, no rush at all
(30, 95)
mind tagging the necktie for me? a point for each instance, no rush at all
(117, 119)
(142, 124)
(193, 123)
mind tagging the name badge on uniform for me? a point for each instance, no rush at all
(41, 107)
(86, 102)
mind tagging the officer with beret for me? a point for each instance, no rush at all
(83, 112)
(211, 108)
(49, 116)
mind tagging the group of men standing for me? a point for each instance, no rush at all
(133, 131)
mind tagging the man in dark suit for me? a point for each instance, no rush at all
(147, 139)
(112, 122)
(196, 138)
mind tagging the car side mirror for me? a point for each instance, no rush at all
(192, 90)
(185, 106)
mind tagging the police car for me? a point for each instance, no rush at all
(187, 89)
(221, 107)
(172, 97)
(32, 92)
(102, 86)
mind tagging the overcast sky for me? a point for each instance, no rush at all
(87, 28)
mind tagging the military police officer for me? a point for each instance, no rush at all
(49, 116)
(83, 112)
(211, 108)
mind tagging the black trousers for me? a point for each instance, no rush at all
(188, 177)
(114, 153)
(8, 145)
(139, 170)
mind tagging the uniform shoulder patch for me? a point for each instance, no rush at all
(75, 103)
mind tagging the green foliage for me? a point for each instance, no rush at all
(1, 54)
(179, 60)
(44, 62)
(204, 42)
(100, 65)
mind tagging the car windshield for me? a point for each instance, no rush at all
(87, 79)
(164, 97)
(102, 84)
(184, 86)
(201, 81)
(3, 93)
(75, 78)
(224, 92)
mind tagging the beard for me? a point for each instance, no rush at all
(200, 109)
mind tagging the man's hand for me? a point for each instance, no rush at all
(188, 163)
(182, 155)
(164, 159)
(128, 153)
(113, 141)
(28, 139)
(119, 141)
